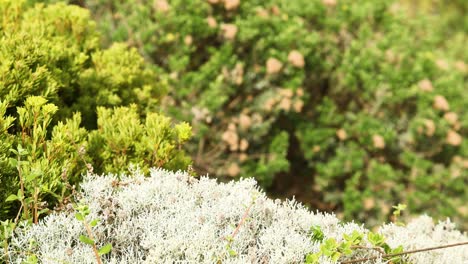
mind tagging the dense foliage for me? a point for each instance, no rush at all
(53, 77)
(356, 103)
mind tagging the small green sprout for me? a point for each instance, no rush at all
(82, 211)
(397, 213)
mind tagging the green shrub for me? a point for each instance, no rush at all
(365, 102)
(53, 51)
(56, 86)
(450, 14)
(121, 139)
(42, 167)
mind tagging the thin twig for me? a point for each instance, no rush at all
(404, 253)
(20, 175)
(36, 208)
(378, 249)
(242, 221)
(90, 234)
(89, 166)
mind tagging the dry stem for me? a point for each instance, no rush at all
(404, 253)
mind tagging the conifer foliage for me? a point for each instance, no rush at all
(67, 105)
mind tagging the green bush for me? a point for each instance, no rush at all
(68, 106)
(364, 104)
(121, 139)
(54, 51)
(450, 14)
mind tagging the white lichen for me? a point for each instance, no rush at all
(169, 217)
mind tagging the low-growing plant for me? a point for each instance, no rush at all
(397, 213)
(82, 212)
(7, 229)
(349, 246)
(44, 166)
(171, 217)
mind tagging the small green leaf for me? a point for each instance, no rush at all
(13, 162)
(376, 239)
(345, 247)
(335, 256)
(232, 253)
(79, 217)
(43, 211)
(86, 240)
(312, 258)
(11, 198)
(22, 151)
(399, 207)
(94, 223)
(31, 176)
(86, 210)
(317, 233)
(14, 151)
(329, 247)
(32, 259)
(20, 194)
(387, 248)
(105, 249)
(354, 238)
(397, 250)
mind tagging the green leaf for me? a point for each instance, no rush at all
(317, 233)
(43, 211)
(397, 250)
(376, 239)
(32, 259)
(86, 210)
(20, 194)
(13, 162)
(105, 249)
(31, 176)
(355, 238)
(345, 247)
(335, 256)
(400, 207)
(232, 253)
(14, 151)
(86, 240)
(79, 217)
(329, 247)
(387, 248)
(11, 198)
(22, 151)
(94, 223)
(312, 258)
